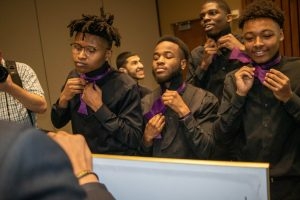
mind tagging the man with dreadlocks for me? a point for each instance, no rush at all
(102, 104)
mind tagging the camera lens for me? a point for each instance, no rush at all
(3, 74)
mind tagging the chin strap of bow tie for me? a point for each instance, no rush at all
(159, 107)
(83, 108)
(260, 69)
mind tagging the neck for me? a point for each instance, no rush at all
(225, 31)
(102, 69)
(175, 82)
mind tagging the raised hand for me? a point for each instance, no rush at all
(153, 128)
(279, 84)
(229, 41)
(244, 78)
(92, 96)
(72, 87)
(174, 101)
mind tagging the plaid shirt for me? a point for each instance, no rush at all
(10, 108)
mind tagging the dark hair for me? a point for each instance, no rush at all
(95, 25)
(184, 48)
(221, 3)
(122, 58)
(262, 9)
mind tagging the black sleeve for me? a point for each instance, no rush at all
(96, 191)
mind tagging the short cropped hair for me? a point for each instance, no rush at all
(221, 3)
(122, 58)
(262, 9)
(183, 47)
(95, 25)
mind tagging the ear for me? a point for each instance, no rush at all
(281, 35)
(229, 18)
(123, 70)
(108, 54)
(183, 64)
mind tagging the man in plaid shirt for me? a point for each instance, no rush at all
(18, 103)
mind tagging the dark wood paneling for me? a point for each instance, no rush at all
(294, 17)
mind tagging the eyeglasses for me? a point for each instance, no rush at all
(88, 50)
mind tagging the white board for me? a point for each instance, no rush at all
(140, 178)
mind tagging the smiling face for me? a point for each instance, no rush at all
(167, 61)
(134, 67)
(214, 19)
(262, 39)
(89, 52)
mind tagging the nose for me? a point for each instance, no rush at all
(204, 18)
(161, 59)
(82, 53)
(258, 41)
(140, 65)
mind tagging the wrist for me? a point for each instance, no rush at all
(87, 176)
(184, 112)
(242, 94)
(203, 66)
(63, 102)
(147, 141)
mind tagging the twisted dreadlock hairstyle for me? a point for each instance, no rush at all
(95, 25)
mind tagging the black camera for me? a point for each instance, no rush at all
(3, 73)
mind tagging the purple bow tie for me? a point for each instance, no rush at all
(159, 107)
(260, 70)
(83, 108)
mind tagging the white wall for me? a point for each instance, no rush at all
(35, 32)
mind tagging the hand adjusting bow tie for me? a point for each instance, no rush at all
(83, 108)
(260, 69)
(159, 107)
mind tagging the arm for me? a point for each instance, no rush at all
(81, 158)
(60, 114)
(201, 59)
(126, 124)
(197, 126)
(195, 119)
(236, 88)
(36, 162)
(280, 85)
(31, 95)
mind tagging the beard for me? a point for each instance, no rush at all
(174, 76)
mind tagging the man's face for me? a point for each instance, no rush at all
(213, 19)
(134, 67)
(167, 61)
(262, 39)
(89, 52)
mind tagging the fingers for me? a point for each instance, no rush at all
(276, 81)
(229, 41)
(245, 72)
(156, 124)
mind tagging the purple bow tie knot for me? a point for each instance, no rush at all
(83, 107)
(159, 107)
(260, 69)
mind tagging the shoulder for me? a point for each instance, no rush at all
(197, 50)
(199, 93)
(122, 79)
(24, 150)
